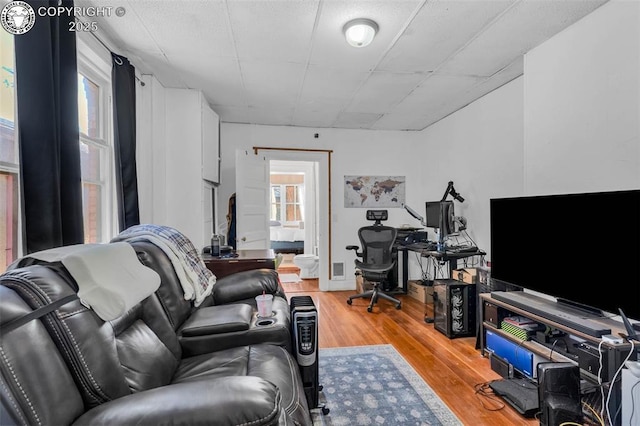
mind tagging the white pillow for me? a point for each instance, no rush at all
(110, 278)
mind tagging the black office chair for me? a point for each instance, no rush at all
(376, 258)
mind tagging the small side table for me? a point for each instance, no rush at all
(246, 260)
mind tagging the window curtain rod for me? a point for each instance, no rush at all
(110, 50)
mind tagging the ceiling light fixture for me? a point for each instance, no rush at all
(360, 32)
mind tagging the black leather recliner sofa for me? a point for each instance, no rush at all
(69, 366)
(228, 316)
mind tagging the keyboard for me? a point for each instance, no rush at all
(565, 315)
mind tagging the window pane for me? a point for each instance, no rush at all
(8, 155)
(290, 191)
(8, 218)
(88, 107)
(92, 208)
(90, 162)
(277, 212)
(8, 146)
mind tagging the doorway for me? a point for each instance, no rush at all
(293, 214)
(252, 187)
(316, 166)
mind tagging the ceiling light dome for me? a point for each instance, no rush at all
(360, 32)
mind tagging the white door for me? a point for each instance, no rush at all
(252, 201)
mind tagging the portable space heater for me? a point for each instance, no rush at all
(304, 321)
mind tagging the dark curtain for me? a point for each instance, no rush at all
(123, 80)
(47, 96)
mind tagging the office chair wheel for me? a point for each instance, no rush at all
(369, 309)
(349, 301)
(325, 410)
(399, 306)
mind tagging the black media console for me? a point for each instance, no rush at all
(554, 311)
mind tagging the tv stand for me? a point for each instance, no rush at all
(565, 314)
(582, 345)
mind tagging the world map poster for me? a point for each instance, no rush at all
(374, 191)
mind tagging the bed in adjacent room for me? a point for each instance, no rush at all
(286, 239)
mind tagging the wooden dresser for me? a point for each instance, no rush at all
(246, 260)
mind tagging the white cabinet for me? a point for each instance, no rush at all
(192, 163)
(210, 144)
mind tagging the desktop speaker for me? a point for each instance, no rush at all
(559, 393)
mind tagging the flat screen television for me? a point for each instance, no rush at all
(583, 248)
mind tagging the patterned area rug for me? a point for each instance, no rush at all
(374, 385)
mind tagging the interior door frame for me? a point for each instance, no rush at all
(323, 157)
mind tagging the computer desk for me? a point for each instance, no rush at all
(451, 257)
(439, 256)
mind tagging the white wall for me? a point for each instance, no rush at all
(355, 152)
(582, 109)
(480, 149)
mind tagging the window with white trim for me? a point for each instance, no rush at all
(8, 154)
(287, 203)
(96, 148)
(96, 151)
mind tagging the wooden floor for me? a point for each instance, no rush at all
(453, 368)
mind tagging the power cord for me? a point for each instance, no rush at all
(613, 381)
(595, 413)
(483, 390)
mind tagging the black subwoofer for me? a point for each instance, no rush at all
(559, 393)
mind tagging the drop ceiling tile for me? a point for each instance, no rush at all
(232, 114)
(269, 84)
(294, 57)
(217, 77)
(194, 27)
(273, 30)
(434, 92)
(356, 120)
(126, 32)
(398, 121)
(521, 28)
(310, 117)
(439, 30)
(270, 116)
(329, 45)
(164, 71)
(328, 85)
(382, 90)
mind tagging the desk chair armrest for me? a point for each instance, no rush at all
(356, 249)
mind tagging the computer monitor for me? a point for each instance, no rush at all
(440, 215)
(433, 214)
(447, 221)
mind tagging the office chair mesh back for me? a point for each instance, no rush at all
(377, 251)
